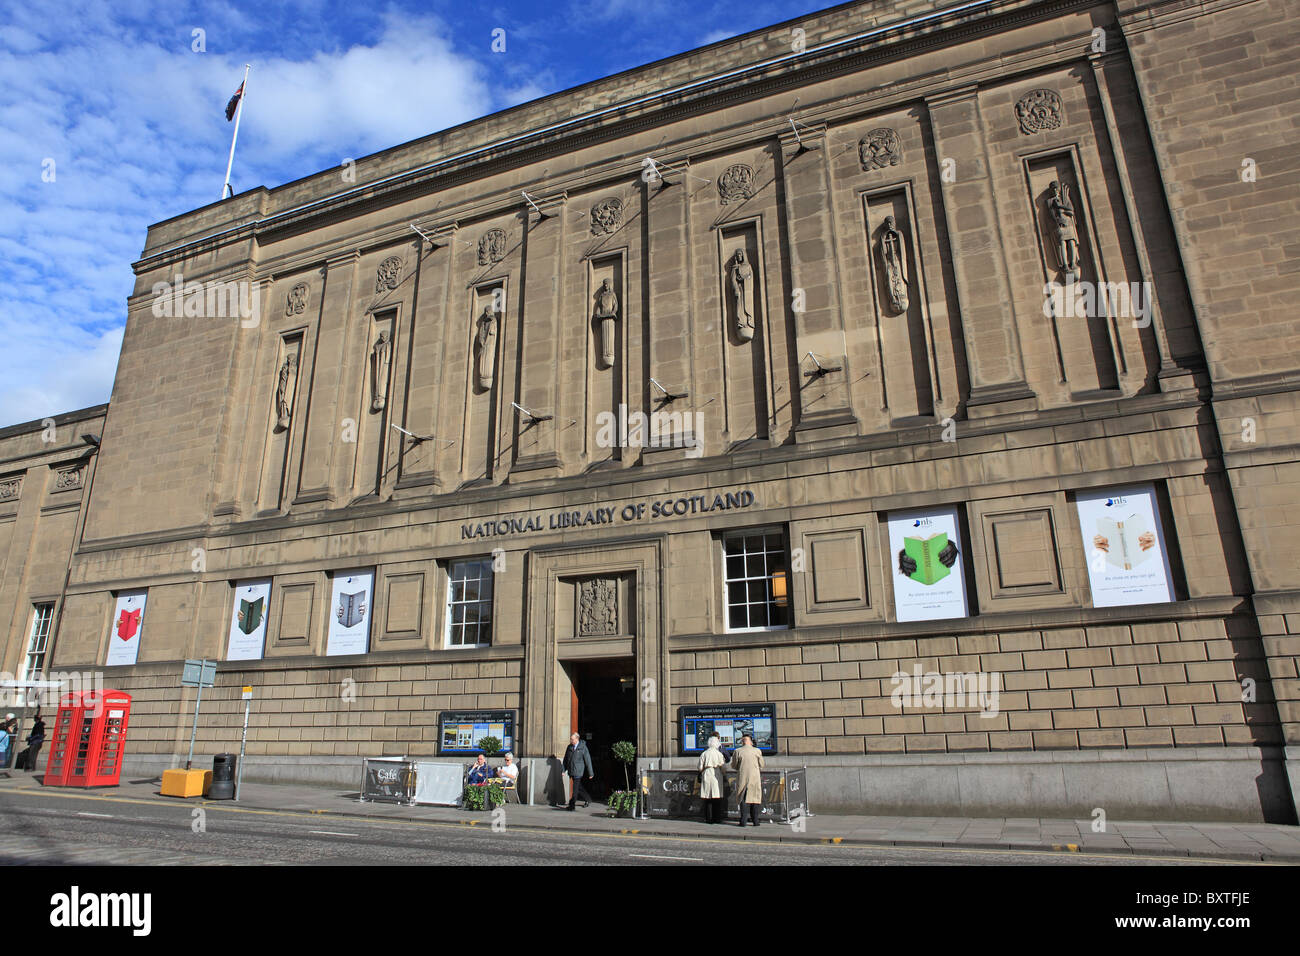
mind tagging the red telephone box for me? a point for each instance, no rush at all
(89, 737)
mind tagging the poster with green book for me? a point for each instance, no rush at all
(926, 559)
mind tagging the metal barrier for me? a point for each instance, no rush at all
(676, 793)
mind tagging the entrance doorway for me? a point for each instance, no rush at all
(603, 711)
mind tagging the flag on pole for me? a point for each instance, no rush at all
(234, 103)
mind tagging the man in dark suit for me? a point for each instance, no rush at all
(577, 764)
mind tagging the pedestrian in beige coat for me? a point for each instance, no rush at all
(748, 760)
(711, 780)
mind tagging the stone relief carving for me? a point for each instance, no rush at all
(380, 356)
(597, 607)
(492, 247)
(1064, 238)
(1039, 111)
(296, 301)
(10, 487)
(893, 256)
(742, 286)
(487, 345)
(606, 216)
(880, 148)
(606, 315)
(284, 392)
(69, 478)
(388, 274)
(736, 184)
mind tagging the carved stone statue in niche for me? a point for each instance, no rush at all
(742, 286)
(284, 392)
(606, 315)
(487, 345)
(893, 256)
(597, 607)
(1065, 239)
(380, 356)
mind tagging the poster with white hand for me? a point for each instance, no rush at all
(1125, 546)
(125, 629)
(351, 599)
(926, 558)
(248, 617)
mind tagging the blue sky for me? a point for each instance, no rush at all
(111, 120)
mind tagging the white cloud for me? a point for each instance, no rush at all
(134, 123)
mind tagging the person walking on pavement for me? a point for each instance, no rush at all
(8, 739)
(34, 741)
(748, 760)
(577, 763)
(711, 763)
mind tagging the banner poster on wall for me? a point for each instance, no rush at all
(926, 554)
(351, 599)
(248, 621)
(1125, 546)
(125, 628)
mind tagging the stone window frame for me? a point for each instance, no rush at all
(487, 574)
(743, 534)
(34, 657)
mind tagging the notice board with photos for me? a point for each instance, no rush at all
(730, 722)
(459, 731)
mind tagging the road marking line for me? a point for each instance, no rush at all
(436, 824)
(332, 833)
(647, 856)
(87, 813)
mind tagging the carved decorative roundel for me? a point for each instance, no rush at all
(388, 274)
(296, 302)
(736, 184)
(880, 148)
(606, 216)
(492, 247)
(1039, 111)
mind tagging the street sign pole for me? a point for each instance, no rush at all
(200, 674)
(239, 771)
(189, 761)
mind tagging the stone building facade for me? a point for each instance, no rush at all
(651, 394)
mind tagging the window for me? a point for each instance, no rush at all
(42, 615)
(469, 603)
(755, 572)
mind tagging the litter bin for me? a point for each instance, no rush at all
(223, 777)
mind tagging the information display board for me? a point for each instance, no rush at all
(459, 731)
(676, 794)
(1125, 546)
(730, 722)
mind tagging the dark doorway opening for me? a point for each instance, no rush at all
(605, 709)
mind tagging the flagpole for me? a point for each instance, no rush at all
(239, 110)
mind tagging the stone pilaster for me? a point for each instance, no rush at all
(825, 409)
(979, 265)
(536, 452)
(324, 404)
